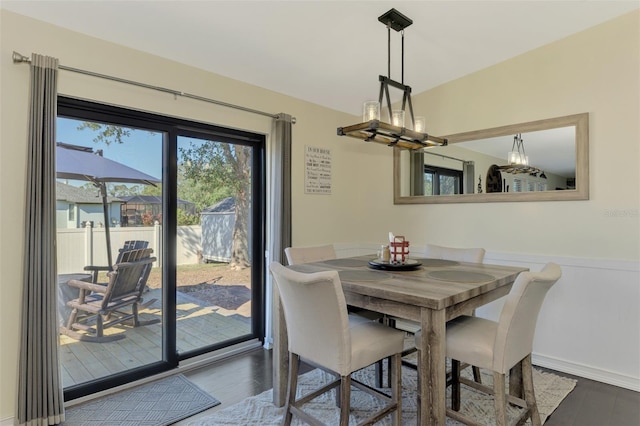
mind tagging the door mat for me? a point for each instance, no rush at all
(158, 403)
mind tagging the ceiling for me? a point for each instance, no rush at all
(331, 52)
(327, 52)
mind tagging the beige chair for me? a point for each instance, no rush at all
(321, 332)
(473, 255)
(297, 255)
(432, 251)
(499, 346)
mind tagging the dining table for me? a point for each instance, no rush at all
(429, 292)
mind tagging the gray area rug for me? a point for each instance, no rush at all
(158, 403)
(258, 410)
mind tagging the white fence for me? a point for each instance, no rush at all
(87, 246)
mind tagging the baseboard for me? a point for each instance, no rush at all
(7, 422)
(608, 377)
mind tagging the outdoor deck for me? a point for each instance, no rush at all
(198, 324)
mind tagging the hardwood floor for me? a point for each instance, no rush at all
(591, 403)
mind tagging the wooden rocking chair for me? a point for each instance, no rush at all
(127, 247)
(104, 303)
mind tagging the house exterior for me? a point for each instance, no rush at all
(590, 323)
(139, 210)
(76, 206)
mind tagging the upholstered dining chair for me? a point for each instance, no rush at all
(474, 255)
(297, 255)
(322, 333)
(432, 251)
(501, 345)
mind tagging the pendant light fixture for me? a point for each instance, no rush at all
(518, 160)
(517, 155)
(393, 132)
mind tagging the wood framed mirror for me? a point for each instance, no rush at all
(473, 167)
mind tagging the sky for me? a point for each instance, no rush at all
(142, 150)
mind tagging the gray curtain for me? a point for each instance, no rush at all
(417, 172)
(469, 174)
(280, 232)
(281, 188)
(40, 399)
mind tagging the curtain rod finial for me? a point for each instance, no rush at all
(17, 58)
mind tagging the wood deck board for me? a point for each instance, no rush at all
(198, 325)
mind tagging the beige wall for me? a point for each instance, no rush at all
(595, 71)
(316, 126)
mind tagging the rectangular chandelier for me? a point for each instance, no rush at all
(393, 133)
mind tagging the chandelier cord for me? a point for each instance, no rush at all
(402, 76)
(388, 51)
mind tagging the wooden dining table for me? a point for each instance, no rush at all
(434, 293)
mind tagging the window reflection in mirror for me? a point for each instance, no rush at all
(557, 150)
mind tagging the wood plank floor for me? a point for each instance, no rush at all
(590, 404)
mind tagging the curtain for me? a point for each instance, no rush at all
(417, 172)
(279, 233)
(469, 173)
(40, 399)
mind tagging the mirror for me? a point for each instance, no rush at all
(558, 167)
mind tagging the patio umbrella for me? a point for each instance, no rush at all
(82, 163)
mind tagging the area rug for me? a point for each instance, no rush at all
(258, 410)
(158, 403)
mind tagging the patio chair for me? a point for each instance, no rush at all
(100, 306)
(126, 247)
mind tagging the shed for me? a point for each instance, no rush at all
(217, 223)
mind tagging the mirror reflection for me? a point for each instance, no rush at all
(541, 160)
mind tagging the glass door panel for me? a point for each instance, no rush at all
(128, 220)
(213, 244)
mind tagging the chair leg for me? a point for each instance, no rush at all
(345, 399)
(294, 364)
(500, 398)
(134, 310)
(529, 395)
(395, 382)
(455, 385)
(99, 326)
(476, 374)
(379, 370)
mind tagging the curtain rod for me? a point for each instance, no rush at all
(444, 156)
(19, 58)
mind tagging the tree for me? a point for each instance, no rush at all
(208, 172)
(224, 168)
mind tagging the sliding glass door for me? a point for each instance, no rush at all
(214, 298)
(93, 233)
(196, 208)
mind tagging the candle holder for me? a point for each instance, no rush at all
(397, 117)
(371, 111)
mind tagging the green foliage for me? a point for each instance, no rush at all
(185, 219)
(152, 190)
(122, 190)
(220, 166)
(107, 133)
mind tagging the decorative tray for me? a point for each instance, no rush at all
(407, 265)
